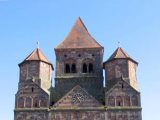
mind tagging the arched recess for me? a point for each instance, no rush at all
(43, 102)
(127, 101)
(111, 101)
(70, 66)
(36, 102)
(134, 100)
(119, 101)
(20, 102)
(28, 102)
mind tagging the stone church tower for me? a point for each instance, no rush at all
(79, 93)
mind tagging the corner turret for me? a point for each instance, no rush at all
(36, 67)
(120, 64)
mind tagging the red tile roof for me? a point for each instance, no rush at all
(120, 54)
(37, 55)
(79, 37)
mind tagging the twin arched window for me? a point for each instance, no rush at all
(88, 68)
(70, 68)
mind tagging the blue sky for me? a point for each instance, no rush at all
(135, 23)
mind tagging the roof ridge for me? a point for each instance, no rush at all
(37, 50)
(79, 18)
(124, 53)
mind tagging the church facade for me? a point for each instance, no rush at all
(79, 92)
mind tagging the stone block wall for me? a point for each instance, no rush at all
(116, 69)
(77, 115)
(79, 57)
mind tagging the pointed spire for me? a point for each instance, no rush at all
(37, 55)
(79, 37)
(120, 54)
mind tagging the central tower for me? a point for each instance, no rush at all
(79, 62)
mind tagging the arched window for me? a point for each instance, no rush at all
(90, 68)
(67, 68)
(73, 68)
(84, 68)
(32, 89)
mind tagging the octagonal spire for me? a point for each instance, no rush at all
(119, 53)
(37, 55)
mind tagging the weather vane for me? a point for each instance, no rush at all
(119, 44)
(37, 44)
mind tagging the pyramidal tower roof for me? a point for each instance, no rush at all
(79, 37)
(119, 53)
(37, 55)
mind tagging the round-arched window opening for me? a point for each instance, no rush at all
(84, 68)
(67, 68)
(90, 68)
(79, 55)
(73, 68)
(32, 89)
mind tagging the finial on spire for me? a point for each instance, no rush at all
(37, 44)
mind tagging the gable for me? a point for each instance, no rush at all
(122, 94)
(77, 97)
(31, 96)
(121, 87)
(31, 89)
